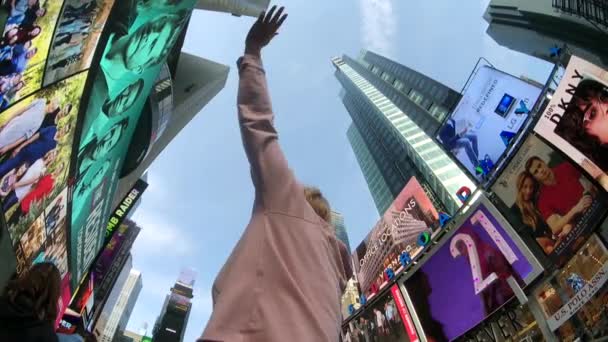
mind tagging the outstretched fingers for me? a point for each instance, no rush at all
(270, 14)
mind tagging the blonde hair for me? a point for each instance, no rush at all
(318, 202)
(530, 215)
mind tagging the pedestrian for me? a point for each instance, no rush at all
(284, 279)
(28, 306)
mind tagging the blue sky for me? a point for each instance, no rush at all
(200, 195)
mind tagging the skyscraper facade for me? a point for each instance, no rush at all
(173, 319)
(337, 220)
(110, 304)
(535, 27)
(396, 112)
(117, 322)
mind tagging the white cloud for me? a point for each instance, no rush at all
(379, 24)
(158, 235)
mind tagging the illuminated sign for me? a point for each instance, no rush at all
(124, 208)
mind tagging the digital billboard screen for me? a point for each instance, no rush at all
(141, 34)
(36, 139)
(465, 279)
(24, 46)
(387, 319)
(547, 198)
(411, 214)
(74, 43)
(576, 119)
(491, 113)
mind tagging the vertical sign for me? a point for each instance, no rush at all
(405, 315)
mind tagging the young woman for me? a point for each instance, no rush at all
(28, 306)
(527, 189)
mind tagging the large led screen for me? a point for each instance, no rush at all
(74, 43)
(386, 320)
(36, 139)
(24, 46)
(547, 198)
(411, 214)
(490, 114)
(141, 34)
(465, 280)
(576, 119)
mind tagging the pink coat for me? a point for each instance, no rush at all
(285, 277)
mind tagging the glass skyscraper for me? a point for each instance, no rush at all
(396, 112)
(337, 221)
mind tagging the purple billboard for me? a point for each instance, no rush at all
(466, 279)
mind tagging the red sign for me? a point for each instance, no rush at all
(404, 313)
(64, 300)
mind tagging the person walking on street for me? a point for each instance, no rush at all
(285, 277)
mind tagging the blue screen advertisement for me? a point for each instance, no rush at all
(141, 35)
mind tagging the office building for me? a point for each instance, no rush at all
(337, 221)
(251, 8)
(396, 112)
(110, 304)
(173, 319)
(536, 27)
(117, 321)
(173, 103)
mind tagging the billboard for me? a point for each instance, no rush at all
(141, 35)
(64, 299)
(112, 258)
(576, 119)
(491, 113)
(466, 278)
(387, 319)
(74, 43)
(124, 208)
(411, 214)
(24, 46)
(582, 282)
(547, 198)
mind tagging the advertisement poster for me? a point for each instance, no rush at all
(490, 114)
(112, 258)
(548, 198)
(350, 299)
(124, 208)
(64, 299)
(411, 214)
(465, 280)
(583, 282)
(141, 36)
(380, 322)
(78, 31)
(24, 46)
(576, 119)
(36, 137)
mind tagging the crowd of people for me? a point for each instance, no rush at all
(16, 46)
(384, 324)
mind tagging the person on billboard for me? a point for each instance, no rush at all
(96, 150)
(455, 141)
(20, 35)
(28, 305)
(289, 269)
(420, 290)
(24, 183)
(562, 197)
(527, 192)
(43, 187)
(17, 61)
(41, 143)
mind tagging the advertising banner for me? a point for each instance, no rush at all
(404, 314)
(465, 279)
(576, 119)
(548, 198)
(399, 230)
(350, 299)
(64, 299)
(581, 281)
(75, 40)
(83, 300)
(112, 258)
(490, 114)
(381, 321)
(24, 46)
(140, 37)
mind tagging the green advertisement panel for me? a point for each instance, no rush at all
(141, 35)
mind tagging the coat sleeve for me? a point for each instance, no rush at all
(272, 178)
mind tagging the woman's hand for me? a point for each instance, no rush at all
(263, 30)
